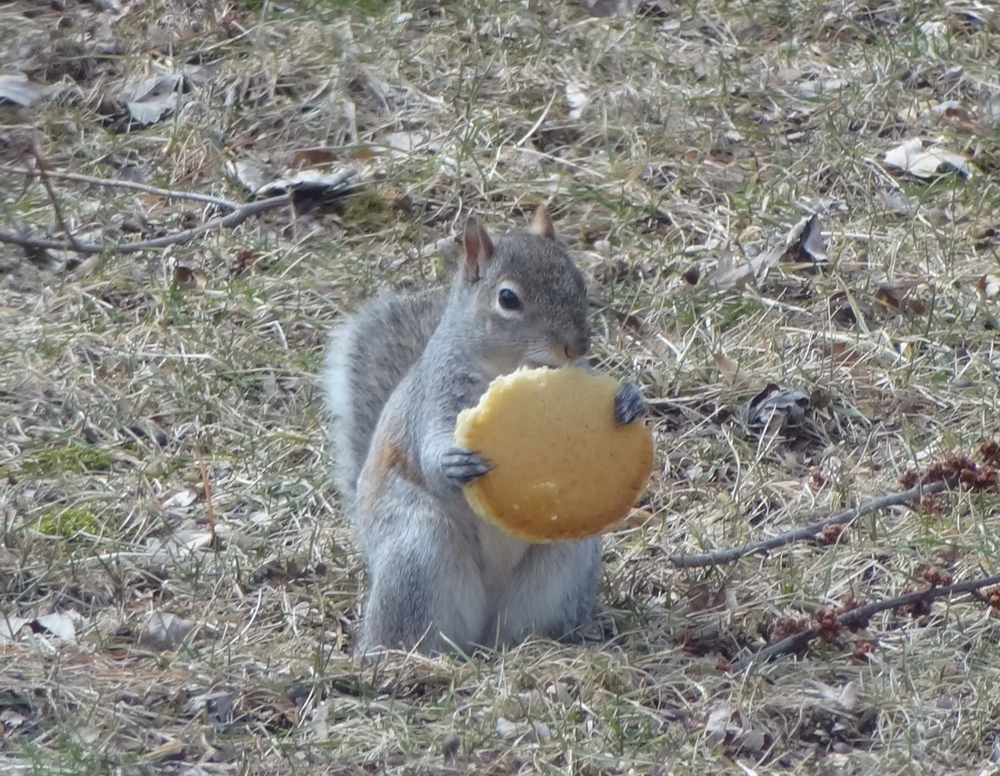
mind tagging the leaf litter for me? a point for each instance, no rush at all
(661, 152)
(152, 99)
(930, 161)
(16, 88)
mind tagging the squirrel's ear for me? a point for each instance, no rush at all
(542, 223)
(478, 249)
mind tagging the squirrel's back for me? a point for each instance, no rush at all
(368, 356)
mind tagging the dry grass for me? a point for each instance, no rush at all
(708, 130)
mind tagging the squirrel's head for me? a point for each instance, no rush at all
(530, 299)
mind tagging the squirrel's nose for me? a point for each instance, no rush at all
(578, 348)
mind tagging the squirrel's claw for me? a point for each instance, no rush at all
(629, 404)
(462, 466)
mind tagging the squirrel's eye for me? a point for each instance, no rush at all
(508, 299)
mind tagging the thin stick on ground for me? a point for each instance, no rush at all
(120, 184)
(228, 221)
(730, 554)
(43, 175)
(860, 616)
(207, 489)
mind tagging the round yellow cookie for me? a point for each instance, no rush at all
(562, 469)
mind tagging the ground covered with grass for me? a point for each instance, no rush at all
(178, 587)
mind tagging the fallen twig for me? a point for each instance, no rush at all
(728, 555)
(120, 184)
(43, 174)
(860, 615)
(228, 221)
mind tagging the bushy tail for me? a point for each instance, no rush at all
(368, 356)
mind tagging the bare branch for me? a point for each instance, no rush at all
(42, 173)
(862, 614)
(228, 221)
(119, 184)
(728, 555)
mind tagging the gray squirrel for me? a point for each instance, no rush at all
(396, 376)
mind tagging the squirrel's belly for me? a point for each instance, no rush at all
(500, 553)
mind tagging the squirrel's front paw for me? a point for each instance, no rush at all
(462, 466)
(629, 404)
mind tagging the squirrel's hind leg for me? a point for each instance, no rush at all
(426, 592)
(552, 591)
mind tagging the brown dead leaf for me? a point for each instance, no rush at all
(188, 279)
(841, 310)
(989, 286)
(244, 259)
(727, 366)
(314, 157)
(637, 518)
(950, 113)
(987, 238)
(898, 297)
(691, 275)
(955, 115)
